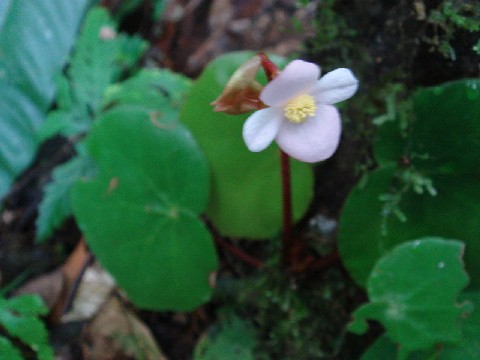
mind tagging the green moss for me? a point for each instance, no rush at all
(450, 17)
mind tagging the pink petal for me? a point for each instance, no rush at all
(335, 86)
(261, 128)
(314, 140)
(298, 77)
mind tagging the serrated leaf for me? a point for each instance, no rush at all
(140, 214)
(67, 122)
(417, 314)
(91, 68)
(18, 316)
(56, 205)
(132, 47)
(35, 39)
(100, 57)
(246, 198)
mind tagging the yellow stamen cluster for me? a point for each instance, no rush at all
(299, 108)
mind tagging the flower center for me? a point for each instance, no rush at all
(299, 108)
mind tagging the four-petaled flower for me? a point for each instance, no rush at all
(300, 116)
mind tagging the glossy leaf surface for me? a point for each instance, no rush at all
(246, 198)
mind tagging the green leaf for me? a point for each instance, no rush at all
(390, 144)
(235, 337)
(443, 150)
(157, 90)
(19, 317)
(246, 198)
(56, 205)
(35, 39)
(131, 50)
(92, 67)
(425, 215)
(467, 348)
(8, 351)
(382, 348)
(67, 122)
(447, 128)
(100, 56)
(416, 314)
(140, 214)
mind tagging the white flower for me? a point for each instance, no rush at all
(300, 116)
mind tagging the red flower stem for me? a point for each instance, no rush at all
(271, 70)
(288, 243)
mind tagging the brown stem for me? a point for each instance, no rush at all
(287, 248)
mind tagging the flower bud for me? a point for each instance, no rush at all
(241, 94)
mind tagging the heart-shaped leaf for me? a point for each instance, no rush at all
(246, 198)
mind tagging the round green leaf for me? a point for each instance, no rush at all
(140, 214)
(413, 291)
(365, 234)
(246, 198)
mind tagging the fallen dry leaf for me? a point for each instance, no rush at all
(116, 333)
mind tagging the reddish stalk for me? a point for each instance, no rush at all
(287, 239)
(240, 254)
(271, 71)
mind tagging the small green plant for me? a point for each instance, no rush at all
(451, 16)
(19, 318)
